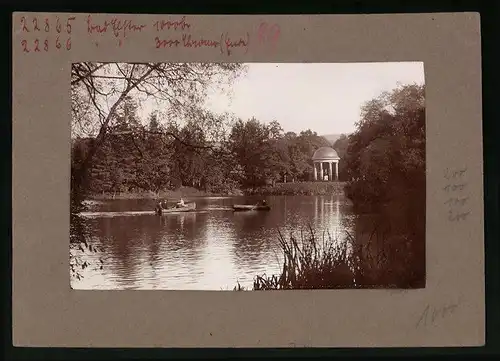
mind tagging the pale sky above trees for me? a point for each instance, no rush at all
(323, 97)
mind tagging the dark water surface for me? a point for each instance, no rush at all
(209, 249)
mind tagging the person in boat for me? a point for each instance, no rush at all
(181, 203)
(159, 207)
(263, 202)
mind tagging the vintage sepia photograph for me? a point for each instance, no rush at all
(247, 176)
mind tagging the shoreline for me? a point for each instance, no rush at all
(279, 189)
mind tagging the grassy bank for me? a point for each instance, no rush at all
(279, 189)
(175, 194)
(299, 188)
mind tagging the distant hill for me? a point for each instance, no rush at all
(331, 137)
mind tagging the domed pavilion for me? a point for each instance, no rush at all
(323, 159)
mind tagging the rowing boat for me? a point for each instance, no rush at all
(249, 207)
(186, 208)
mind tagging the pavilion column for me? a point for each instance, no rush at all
(330, 172)
(337, 170)
(315, 166)
(321, 174)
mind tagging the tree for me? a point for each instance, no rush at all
(189, 161)
(78, 150)
(154, 123)
(247, 141)
(340, 147)
(100, 89)
(385, 160)
(385, 156)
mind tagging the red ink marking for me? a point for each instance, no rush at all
(24, 44)
(116, 25)
(275, 33)
(36, 46)
(91, 27)
(58, 43)
(120, 42)
(68, 44)
(96, 43)
(35, 25)
(225, 43)
(58, 25)
(163, 43)
(68, 24)
(234, 44)
(262, 32)
(46, 45)
(187, 42)
(269, 35)
(168, 24)
(23, 23)
(47, 25)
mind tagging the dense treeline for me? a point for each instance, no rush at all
(162, 155)
(105, 128)
(385, 156)
(385, 162)
(382, 160)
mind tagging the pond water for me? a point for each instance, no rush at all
(211, 248)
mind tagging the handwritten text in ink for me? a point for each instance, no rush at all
(49, 34)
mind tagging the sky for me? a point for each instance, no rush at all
(323, 97)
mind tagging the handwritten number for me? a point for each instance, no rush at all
(46, 45)
(447, 173)
(423, 317)
(58, 43)
(23, 23)
(68, 24)
(47, 26)
(36, 45)
(58, 25)
(430, 316)
(68, 44)
(24, 44)
(35, 25)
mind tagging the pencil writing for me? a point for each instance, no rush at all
(433, 314)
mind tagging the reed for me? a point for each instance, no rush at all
(311, 262)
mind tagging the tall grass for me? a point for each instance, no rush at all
(311, 262)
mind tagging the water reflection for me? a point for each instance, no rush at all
(211, 248)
